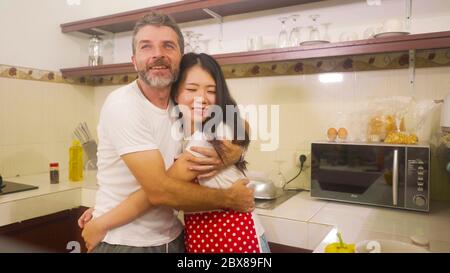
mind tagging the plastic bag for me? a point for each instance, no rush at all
(337, 130)
(387, 118)
(395, 120)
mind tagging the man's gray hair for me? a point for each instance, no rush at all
(158, 19)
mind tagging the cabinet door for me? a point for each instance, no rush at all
(56, 232)
(284, 235)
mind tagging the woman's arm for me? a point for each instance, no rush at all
(95, 230)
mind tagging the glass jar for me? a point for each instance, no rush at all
(95, 51)
(54, 173)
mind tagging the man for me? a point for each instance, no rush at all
(136, 148)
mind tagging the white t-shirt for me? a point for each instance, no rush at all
(130, 123)
(226, 177)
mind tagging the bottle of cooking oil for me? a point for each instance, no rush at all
(75, 161)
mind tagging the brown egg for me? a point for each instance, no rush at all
(332, 134)
(342, 133)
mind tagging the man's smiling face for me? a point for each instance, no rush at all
(158, 55)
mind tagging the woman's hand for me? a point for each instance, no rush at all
(85, 217)
(93, 233)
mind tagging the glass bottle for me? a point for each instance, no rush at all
(76, 161)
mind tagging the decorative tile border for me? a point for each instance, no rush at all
(372, 62)
(425, 58)
(24, 73)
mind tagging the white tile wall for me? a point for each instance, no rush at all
(308, 108)
(36, 123)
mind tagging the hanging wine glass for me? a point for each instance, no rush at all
(314, 34)
(283, 36)
(326, 34)
(188, 41)
(279, 178)
(196, 42)
(294, 36)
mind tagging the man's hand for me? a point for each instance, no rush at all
(240, 196)
(85, 217)
(232, 151)
(93, 233)
(211, 164)
(208, 166)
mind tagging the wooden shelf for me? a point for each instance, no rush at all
(370, 46)
(434, 40)
(97, 71)
(182, 11)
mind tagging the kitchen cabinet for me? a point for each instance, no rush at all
(268, 62)
(58, 232)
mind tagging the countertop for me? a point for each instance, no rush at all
(301, 221)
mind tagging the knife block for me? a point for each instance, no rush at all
(90, 148)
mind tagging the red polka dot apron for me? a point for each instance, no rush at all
(220, 232)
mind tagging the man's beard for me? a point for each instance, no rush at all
(158, 81)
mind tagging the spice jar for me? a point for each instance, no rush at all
(54, 173)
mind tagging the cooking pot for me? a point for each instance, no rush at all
(265, 189)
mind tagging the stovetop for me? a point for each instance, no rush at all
(273, 203)
(12, 187)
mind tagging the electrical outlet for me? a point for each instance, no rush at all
(297, 158)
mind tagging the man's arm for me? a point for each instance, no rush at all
(211, 164)
(148, 168)
(129, 209)
(138, 202)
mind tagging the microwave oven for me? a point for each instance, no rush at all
(389, 175)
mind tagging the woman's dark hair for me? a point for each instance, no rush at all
(223, 98)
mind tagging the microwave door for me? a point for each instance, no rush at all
(360, 174)
(386, 191)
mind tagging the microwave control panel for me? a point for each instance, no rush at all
(417, 178)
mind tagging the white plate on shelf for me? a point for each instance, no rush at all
(390, 34)
(387, 246)
(316, 42)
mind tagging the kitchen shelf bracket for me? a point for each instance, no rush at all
(103, 32)
(219, 19)
(408, 6)
(412, 69)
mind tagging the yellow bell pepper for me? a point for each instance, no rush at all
(340, 247)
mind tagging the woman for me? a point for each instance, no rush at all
(200, 91)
